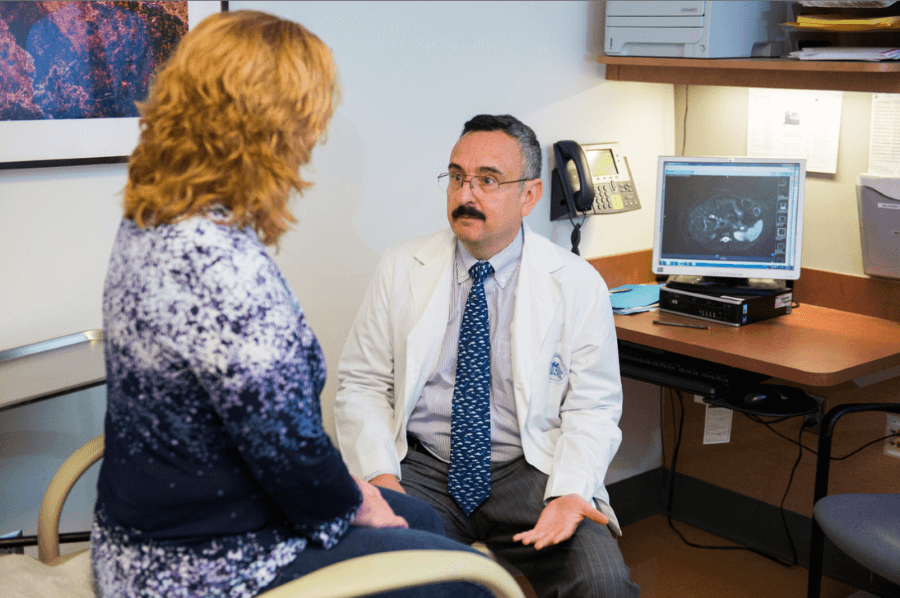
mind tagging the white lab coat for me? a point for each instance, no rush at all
(567, 387)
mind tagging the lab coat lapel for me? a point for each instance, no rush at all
(538, 295)
(430, 290)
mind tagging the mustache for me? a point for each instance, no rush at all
(464, 210)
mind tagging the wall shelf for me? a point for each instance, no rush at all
(881, 77)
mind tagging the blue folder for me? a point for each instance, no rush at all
(634, 298)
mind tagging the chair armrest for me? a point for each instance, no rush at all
(55, 496)
(386, 571)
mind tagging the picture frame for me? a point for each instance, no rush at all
(79, 141)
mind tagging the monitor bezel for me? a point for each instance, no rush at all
(725, 272)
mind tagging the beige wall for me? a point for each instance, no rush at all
(716, 125)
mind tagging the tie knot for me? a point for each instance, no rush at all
(480, 271)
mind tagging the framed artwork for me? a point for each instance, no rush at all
(71, 72)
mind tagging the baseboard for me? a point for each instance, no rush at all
(747, 521)
(638, 497)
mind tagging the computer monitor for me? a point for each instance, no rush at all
(729, 219)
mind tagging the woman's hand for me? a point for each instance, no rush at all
(375, 511)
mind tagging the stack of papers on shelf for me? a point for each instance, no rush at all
(634, 298)
(847, 53)
(845, 23)
(847, 3)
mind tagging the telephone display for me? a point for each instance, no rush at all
(597, 180)
(602, 163)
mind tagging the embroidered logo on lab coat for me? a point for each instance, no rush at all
(557, 369)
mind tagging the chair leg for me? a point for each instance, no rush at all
(817, 536)
(816, 553)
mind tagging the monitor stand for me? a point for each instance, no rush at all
(741, 287)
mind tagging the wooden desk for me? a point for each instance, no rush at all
(840, 356)
(812, 346)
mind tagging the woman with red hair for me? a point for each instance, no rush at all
(218, 478)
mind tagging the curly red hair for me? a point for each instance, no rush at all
(230, 119)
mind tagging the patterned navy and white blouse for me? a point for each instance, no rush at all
(217, 470)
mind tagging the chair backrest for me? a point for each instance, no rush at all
(55, 496)
(820, 488)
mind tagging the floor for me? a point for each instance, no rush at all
(665, 567)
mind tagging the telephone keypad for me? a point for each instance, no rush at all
(610, 197)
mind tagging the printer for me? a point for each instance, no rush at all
(730, 29)
(879, 224)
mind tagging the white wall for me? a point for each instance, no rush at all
(35, 439)
(56, 230)
(412, 73)
(717, 126)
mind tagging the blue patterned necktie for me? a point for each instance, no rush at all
(469, 480)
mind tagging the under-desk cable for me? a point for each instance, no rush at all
(677, 432)
(813, 451)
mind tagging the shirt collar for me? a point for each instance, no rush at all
(504, 263)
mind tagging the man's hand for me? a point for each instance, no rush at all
(559, 520)
(375, 511)
(389, 481)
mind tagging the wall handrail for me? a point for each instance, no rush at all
(51, 344)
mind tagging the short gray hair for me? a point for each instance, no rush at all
(522, 133)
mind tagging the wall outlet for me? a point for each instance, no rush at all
(812, 421)
(892, 445)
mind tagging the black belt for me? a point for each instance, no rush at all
(415, 444)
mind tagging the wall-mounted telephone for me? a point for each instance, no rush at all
(595, 179)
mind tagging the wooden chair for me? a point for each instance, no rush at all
(68, 576)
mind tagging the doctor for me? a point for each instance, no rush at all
(481, 375)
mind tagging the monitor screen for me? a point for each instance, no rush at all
(729, 217)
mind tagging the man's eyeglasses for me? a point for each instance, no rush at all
(484, 183)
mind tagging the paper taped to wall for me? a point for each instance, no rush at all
(884, 135)
(795, 123)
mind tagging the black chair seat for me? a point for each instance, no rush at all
(866, 527)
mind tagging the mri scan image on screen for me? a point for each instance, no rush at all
(729, 218)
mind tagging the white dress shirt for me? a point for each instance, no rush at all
(430, 419)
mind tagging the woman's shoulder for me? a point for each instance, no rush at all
(212, 230)
(208, 240)
(202, 252)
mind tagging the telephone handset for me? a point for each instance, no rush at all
(595, 180)
(576, 189)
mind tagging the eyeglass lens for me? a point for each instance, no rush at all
(454, 182)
